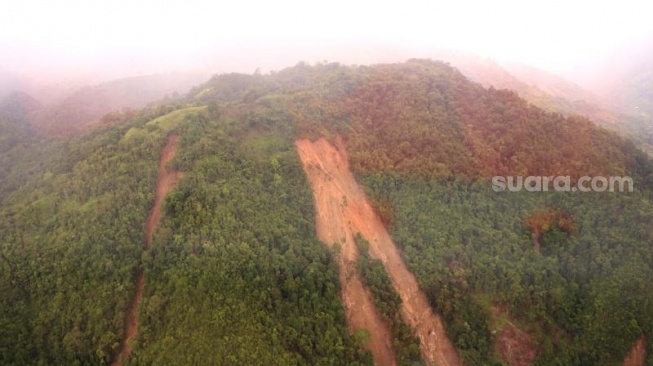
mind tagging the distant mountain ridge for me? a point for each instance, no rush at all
(84, 107)
(606, 107)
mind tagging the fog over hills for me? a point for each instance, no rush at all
(602, 47)
(461, 183)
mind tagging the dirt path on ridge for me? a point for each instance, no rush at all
(166, 181)
(637, 355)
(342, 210)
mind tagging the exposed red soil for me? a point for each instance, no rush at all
(637, 355)
(332, 228)
(540, 221)
(342, 210)
(166, 181)
(515, 347)
(131, 320)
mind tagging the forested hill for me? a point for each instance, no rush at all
(236, 274)
(555, 94)
(424, 117)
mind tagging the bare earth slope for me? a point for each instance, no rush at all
(333, 228)
(166, 181)
(342, 211)
(514, 346)
(637, 355)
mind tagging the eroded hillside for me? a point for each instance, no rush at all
(342, 211)
(236, 272)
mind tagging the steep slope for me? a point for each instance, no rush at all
(544, 90)
(332, 191)
(131, 323)
(427, 119)
(421, 129)
(613, 103)
(250, 262)
(619, 104)
(166, 181)
(236, 273)
(72, 247)
(342, 212)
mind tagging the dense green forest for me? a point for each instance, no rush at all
(71, 238)
(585, 296)
(237, 260)
(237, 275)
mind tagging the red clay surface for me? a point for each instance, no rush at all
(342, 210)
(515, 347)
(637, 355)
(166, 181)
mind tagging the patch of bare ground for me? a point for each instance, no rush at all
(342, 210)
(515, 347)
(637, 355)
(166, 181)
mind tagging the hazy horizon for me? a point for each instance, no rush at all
(99, 41)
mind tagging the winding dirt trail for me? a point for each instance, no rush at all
(166, 181)
(342, 210)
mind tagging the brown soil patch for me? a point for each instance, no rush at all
(332, 228)
(514, 346)
(342, 210)
(166, 181)
(637, 355)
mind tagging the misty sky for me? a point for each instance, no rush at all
(152, 36)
